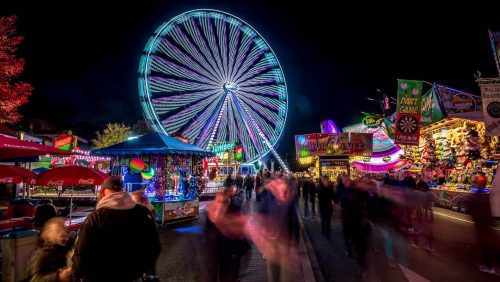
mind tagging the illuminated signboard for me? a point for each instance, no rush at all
(324, 144)
(220, 149)
(370, 120)
(64, 142)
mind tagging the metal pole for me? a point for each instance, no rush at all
(71, 207)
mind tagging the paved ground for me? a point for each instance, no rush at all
(182, 257)
(455, 259)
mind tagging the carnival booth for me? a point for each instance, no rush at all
(453, 146)
(167, 168)
(386, 156)
(327, 154)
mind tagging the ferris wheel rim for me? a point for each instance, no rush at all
(144, 84)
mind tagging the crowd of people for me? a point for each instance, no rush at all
(119, 240)
(391, 214)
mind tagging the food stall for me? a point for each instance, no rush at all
(167, 168)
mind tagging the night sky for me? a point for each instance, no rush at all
(82, 59)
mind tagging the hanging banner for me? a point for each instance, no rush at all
(431, 111)
(490, 94)
(324, 144)
(495, 45)
(457, 101)
(408, 112)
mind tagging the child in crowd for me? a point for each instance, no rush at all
(50, 261)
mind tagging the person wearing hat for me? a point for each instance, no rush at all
(106, 249)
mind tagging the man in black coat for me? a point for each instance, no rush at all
(118, 241)
(248, 184)
(325, 198)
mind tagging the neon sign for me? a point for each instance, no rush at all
(371, 121)
(221, 150)
(63, 142)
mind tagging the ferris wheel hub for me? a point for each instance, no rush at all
(230, 87)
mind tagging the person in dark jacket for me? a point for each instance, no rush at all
(45, 211)
(239, 181)
(279, 230)
(305, 195)
(224, 238)
(312, 197)
(248, 184)
(325, 198)
(258, 185)
(354, 221)
(229, 181)
(479, 207)
(49, 263)
(107, 249)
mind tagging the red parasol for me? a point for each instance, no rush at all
(15, 148)
(15, 175)
(70, 175)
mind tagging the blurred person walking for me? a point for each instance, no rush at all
(306, 184)
(479, 207)
(224, 238)
(248, 184)
(107, 249)
(277, 235)
(425, 215)
(49, 263)
(325, 199)
(354, 221)
(239, 181)
(258, 185)
(312, 198)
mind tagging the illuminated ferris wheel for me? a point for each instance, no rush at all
(211, 77)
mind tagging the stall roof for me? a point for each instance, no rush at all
(153, 143)
(15, 148)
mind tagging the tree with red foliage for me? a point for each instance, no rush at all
(13, 92)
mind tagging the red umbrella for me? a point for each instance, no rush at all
(70, 175)
(15, 175)
(15, 148)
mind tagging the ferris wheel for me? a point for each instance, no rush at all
(211, 77)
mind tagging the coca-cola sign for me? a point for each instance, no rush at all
(55, 183)
(84, 181)
(6, 180)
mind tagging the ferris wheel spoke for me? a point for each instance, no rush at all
(161, 84)
(222, 133)
(243, 50)
(182, 40)
(266, 78)
(256, 109)
(253, 57)
(169, 68)
(272, 104)
(263, 121)
(169, 103)
(173, 52)
(273, 91)
(203, 121)
(222, 36)
(234, 35)
(246, 133)
(210, 36)
(197, 37)
(175, 122)
(257, 75)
